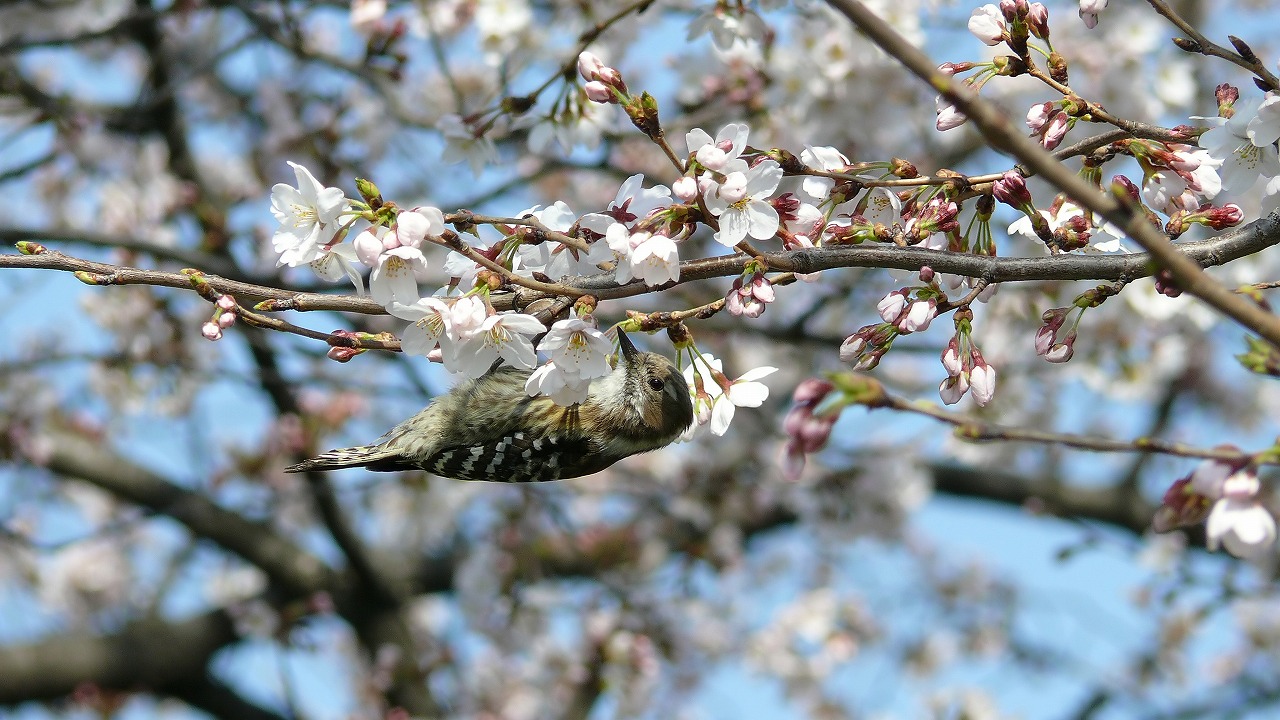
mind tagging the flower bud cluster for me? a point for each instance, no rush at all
(807, 428)
(1049, 122)
(966, 368)
(604, 84)
(1051, 343)
(750, 294)
(224, 316)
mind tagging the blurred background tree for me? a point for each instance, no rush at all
(155, 560)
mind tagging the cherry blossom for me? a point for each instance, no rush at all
(585, 127)
(556, 259)
(308, 216)
(1089, 11)
(652, 257)
(563, 387)
(726, 395)
(728, 26)
(500, 336)
(948, 115)
(1238, 521)
(821, 158)
(339, 262)
(462, 144)
(1264, 127)
(746, 213)
(1228, 141)
(1067, 221)
(987, 24)
(578, 347)
(429, 327)
(719, 153)
(633, 202)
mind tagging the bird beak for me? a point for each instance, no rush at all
(629, 351)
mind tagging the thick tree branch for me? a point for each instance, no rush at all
(145, 654)
(295, 570)
(211, 695)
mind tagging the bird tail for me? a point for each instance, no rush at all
(378, 458)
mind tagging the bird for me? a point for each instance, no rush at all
(490, 429)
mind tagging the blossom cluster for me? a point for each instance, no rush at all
(1191, 184)
(747, 197)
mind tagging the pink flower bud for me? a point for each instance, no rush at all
(226, 320)
(987, 24)
(734, 187)
(952, 389)
(918, 316)
(811, 391)
(762, 289)
(342, 354)
(1210, 475)
(211, 331)
(368, 247)
(1011, 189)
(226, 302)
(411, 228)
(1038, 115)
(852, 348)
(1089, 10)
(891, 306)
(598, 92)
(1057, 129)
(1038, 20)
(711, 157)
(589, 65)
(1046, 336)
(951, 68)
(870, 360)
(948, 115)
(1063, 351)
(951, 358)
(982, 378)
(685, 189)
(1221, 218)
(815, 431)
(792, 461)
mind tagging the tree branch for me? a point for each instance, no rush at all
(295, 570)
(148, 653)
(994, 125)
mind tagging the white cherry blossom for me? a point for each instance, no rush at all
(500, 336)
(430, 324)
(1228, 141)
(578, 347)
(719, 153)
(751, 215)
(308, 215)
(339, 262)
(563, 387)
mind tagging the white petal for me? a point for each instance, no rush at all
(762, 220)
(721, 416)
(749, 394)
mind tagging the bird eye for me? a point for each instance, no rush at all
(655, 384)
